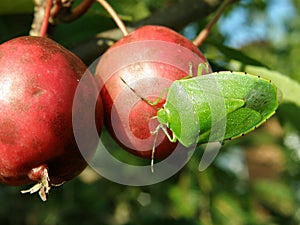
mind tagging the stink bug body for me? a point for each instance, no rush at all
(215, 107)
(232, 103)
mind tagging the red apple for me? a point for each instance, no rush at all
(149, 59)
(38, 79)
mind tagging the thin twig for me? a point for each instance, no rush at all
(81, 8)
(62, 12)
(114, 15)
(56, 8)
(204, 33)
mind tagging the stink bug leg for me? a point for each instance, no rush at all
(155, 132)
(202, 66)
(160, 126)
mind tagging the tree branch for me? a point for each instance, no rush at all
(39, 12)
(176, 17)
(179, 15)
(205, 32)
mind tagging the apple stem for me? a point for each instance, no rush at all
(45, 23)
(204, 33)
(114, 15)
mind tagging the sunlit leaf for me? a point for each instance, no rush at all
(228, 210)
(235, 54)
(276, 196)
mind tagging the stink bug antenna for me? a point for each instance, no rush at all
(138, 95)
(171, 139)
(160, 126)
(153, 147)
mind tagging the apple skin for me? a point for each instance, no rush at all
(38, 79)
(160, 56)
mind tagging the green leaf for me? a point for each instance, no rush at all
(289, 113)
(185, 201)
(232, 53)
(275, 195)
(132, 9)
(16, 6)
(228, 210)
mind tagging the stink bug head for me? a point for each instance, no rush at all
(163, 116)
(182, 120)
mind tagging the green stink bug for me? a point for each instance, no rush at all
(215, 107)
(234, 103)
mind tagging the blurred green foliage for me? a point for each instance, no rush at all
(253, 181)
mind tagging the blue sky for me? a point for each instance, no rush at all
(269, 26)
